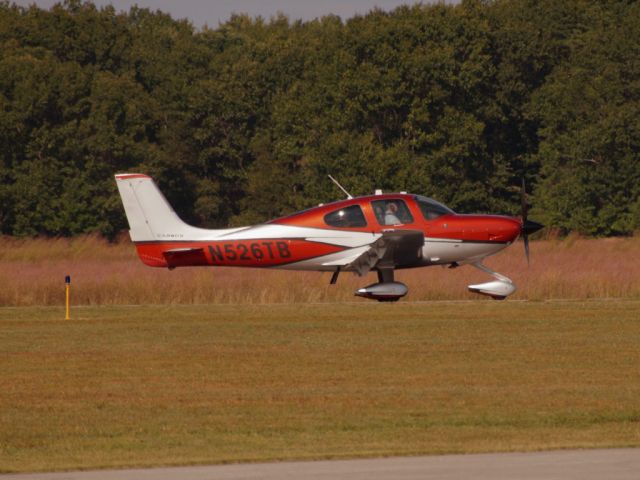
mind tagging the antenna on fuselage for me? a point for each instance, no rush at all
(349, 196)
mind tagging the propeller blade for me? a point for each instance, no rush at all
(523, 202)
(528, 227)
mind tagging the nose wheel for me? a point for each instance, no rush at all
(498, 289)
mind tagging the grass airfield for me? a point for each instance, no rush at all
(168, 385)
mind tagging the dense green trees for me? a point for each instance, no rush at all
(242, 123)
(588, 108)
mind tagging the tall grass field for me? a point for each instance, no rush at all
(32, 273)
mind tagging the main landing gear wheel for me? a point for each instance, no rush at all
(386, 290)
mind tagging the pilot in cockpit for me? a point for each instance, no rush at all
(390, 217)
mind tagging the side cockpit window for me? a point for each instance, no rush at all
(347, 217)
(431, 209)
(392, 212)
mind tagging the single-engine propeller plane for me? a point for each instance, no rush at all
(380, 232)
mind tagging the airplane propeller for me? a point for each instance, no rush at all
(529, 227)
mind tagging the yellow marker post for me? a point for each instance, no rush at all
(67, 281)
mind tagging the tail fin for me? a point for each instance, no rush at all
(149, 214)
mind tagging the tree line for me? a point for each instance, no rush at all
(242, 122)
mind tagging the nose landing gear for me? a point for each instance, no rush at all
(498, 289)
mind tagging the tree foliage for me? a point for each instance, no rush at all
(243, 122)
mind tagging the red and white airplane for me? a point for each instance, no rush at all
(380, 232)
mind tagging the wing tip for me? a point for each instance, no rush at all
(128, 176)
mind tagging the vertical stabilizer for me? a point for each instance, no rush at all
(149, 214)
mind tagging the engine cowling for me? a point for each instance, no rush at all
(497, 289)
(383, 292)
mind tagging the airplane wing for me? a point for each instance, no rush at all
(393, 249)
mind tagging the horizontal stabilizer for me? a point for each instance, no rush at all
(185, 257)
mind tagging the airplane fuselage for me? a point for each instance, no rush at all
(380, 233)
(305, 241)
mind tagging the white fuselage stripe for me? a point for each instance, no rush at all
(434, 252)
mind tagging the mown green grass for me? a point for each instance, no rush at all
(159, 385)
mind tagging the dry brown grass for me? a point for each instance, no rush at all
(32, 273)
(152, 385)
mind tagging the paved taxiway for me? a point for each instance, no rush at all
(611, 464)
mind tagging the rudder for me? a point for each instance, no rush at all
(149, 214)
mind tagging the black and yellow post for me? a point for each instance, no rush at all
(67, 281)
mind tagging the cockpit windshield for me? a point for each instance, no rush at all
(431, 209)
(347, 217)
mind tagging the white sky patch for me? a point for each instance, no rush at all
(214, 12)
